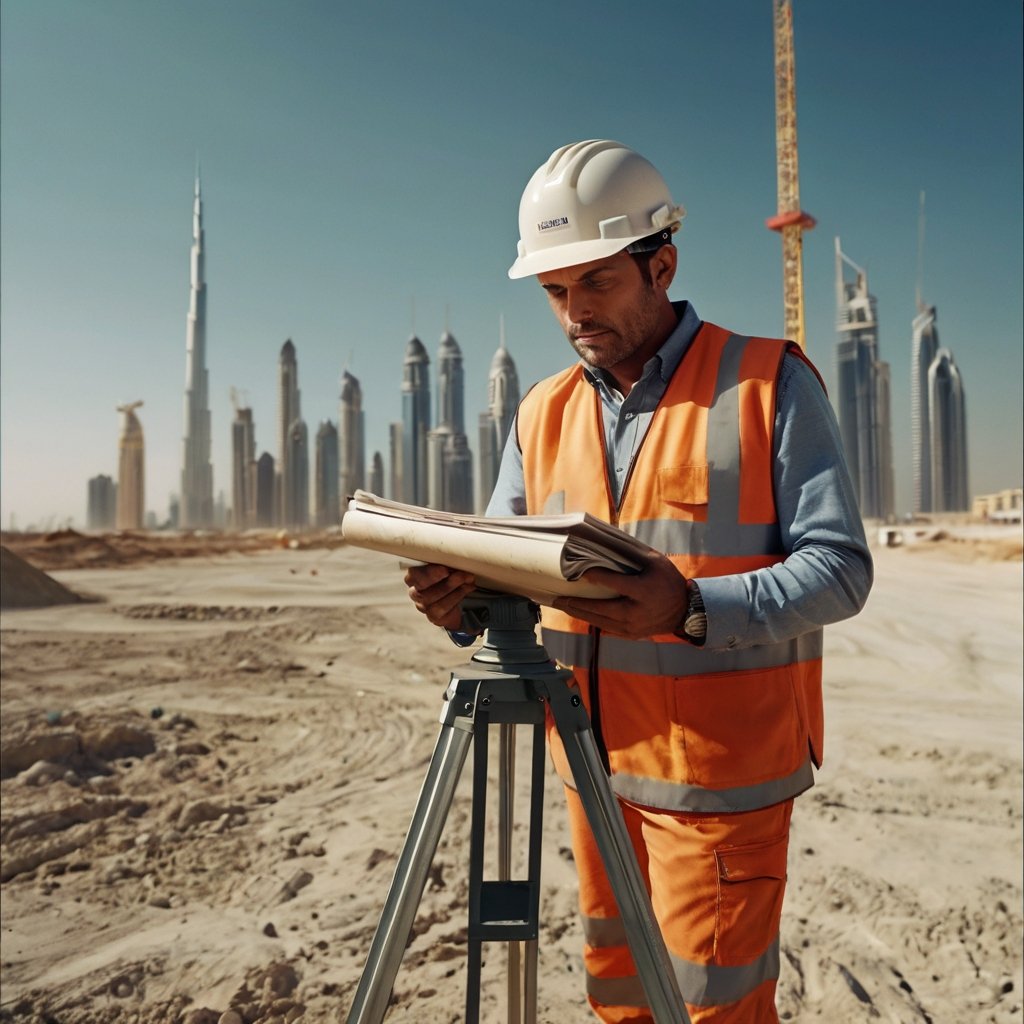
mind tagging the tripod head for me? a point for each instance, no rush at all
(510, 622)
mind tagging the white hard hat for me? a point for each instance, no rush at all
(590, 200)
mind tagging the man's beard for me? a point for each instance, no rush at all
(637, 325)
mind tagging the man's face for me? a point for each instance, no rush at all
(610, 314)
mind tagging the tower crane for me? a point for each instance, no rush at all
(790, 221)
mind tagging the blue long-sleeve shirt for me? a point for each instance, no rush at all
(827, 572)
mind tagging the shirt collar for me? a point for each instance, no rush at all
(666, 360)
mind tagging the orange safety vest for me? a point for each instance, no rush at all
(683, 728)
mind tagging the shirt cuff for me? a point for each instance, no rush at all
(727, 606)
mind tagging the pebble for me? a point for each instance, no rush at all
(298, 881)
(42, 772)
(122, 988)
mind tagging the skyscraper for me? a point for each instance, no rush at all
(131, 470)
(101, 511)
(395, 444)
(266, 491)
(924, 346)
(298, 461)
(375, 481)
(292, 506)
(862, 391)
(351, 442)
(415, 421)
(243, 470)
(326, 505)
(449, 459)
(502, 402)
(948, 440)
(196, 468)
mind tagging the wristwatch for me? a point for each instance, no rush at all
(695, 621)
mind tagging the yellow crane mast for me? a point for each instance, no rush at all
(790, 221)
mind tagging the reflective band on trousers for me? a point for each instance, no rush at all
(686, 798)
(650, 658)
(682, 797)
(699, 984)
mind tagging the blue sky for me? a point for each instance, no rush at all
(363, 160)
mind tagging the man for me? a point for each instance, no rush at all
(703, 678)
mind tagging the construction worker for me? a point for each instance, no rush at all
(703, 678)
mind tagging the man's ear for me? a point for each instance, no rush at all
(663, 266)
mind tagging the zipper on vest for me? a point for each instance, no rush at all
(595, 700)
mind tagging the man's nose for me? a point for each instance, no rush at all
(577, 305)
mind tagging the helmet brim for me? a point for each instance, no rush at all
(558, 257)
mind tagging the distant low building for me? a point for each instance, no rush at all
(101, 510)
(1003, 506)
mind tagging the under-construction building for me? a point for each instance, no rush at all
(131, 470)
(863, 388)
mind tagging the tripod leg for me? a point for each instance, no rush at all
(506, 786)
(602, 809)
(435, 800)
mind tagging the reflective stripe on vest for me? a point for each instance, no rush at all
(683, 728)
(650, 658)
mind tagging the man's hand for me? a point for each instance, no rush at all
(653, 602)
(437, 591)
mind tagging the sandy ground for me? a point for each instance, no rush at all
(207, 777)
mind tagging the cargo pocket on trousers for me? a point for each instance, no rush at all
(751, 885)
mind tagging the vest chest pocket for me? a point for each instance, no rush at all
(685, 487)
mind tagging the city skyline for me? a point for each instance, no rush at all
(331, 214)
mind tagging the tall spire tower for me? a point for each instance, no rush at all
(196, 468)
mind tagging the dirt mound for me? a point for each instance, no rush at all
(24, 586)
(69, 549)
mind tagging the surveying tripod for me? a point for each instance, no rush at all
(508, 681)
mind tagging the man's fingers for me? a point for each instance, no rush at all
(437, 592)
(421, 577)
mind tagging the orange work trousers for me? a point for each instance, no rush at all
(716, 883)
